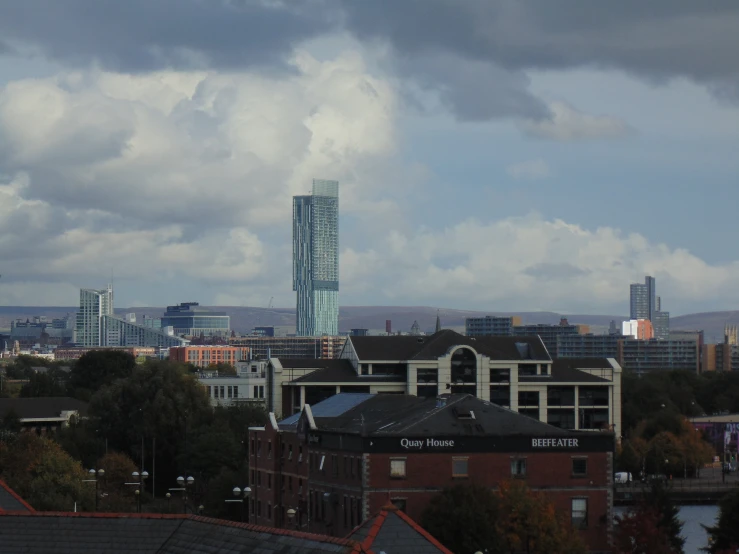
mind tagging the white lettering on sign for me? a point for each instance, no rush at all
(419, 444)
(554, 443)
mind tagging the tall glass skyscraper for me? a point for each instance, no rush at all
(316, 259)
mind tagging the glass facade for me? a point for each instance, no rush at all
(316, 259)
(190, 320)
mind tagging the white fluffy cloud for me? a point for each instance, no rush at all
(566, 123)
(528, 263)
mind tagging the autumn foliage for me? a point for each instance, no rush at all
(638, 532)
(470, 518)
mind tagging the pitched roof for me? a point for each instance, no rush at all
(10, 501)
(392, 415)
(41, 408)
(64, 533)
(337, 370)
(394, 532)
(431, 347)
(569, 370)
(333, 406)
(314, 363)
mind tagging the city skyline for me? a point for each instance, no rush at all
(522, 158)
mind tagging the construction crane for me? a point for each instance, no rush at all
(259, 317)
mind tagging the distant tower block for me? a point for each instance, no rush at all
(388, 326)
(731, 336)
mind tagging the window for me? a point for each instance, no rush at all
(397, 468)
(518, 467)
(269, 480)
(259, 448)
(459, 467)
(580, 513)
(500, 375)
(564, 419)
(365, 369)
(223, 388)
(323, 460)
(259, 477)
(526, 370)
(334, 465)
(528, 398)
(209, 391)
(283, 448)
(230, 391)
(561, 396)
(399, 503)
(290, 483)
(269, 449)
(579, 467)
(269, 510)
(253, 478)
(236, 391)
(346, 511)
(300, 454)
(359, 468)
(430, 375)
(500, 396)
(259, 508)
(593, 396)
(300, 486)
(290, 453)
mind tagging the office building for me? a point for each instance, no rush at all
(642, 356)
(651, 284)
(190, 320)
(341, 460)
(358, 332)
(638, 329)
(264, 347)
(491, 325)
(515, 372)
(588, 346)
(316, 260)
(639, 301)
(661, 325)
(720, 357)
(94, 304)
(126, 332)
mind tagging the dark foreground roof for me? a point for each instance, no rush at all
(569, 370)
(41, 408)
(431, 347)
(75, 533)
(393, 532)
(412, 416)
(10, 501)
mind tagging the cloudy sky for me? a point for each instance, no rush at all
(492, 154)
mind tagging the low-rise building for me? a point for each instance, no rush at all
(76, 352)
(205, 355)
(190, 320)
(126, 332)
(265, 347)
(249, 385)
(642, 356)
(336, 463)
(45, 414)
(515, 372)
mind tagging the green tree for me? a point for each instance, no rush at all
(43, 474)
(47, 384)
(97, 369)
(160, 400)
(82, 441)
(222, 369)
(725, 534)
(658, 499)
(629, 459)
(211, 448)
(460, 518)
(221, 488)
(115, 495)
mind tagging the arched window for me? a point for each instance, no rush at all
(464, 366)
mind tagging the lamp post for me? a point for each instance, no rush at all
(138, 480)
(183, 483)
(294, 514)
(95, 477)
(242, 496)
(169, 498)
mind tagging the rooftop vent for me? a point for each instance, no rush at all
(463, 414)
(440, 401)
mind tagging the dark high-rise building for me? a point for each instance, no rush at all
(661, 325)
(651, 285)
(316, 260)
(639, 301)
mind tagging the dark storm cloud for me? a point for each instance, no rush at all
(658, 38)
(143, 35)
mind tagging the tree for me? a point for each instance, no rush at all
(461, 517)
(46, 384)
(220, 488)
(638, 532)
(44, 475)
(629, 459)
(11, 422)
(657, 498)
(222, 369)
(468, 518)
(529, 523)
(116, 496)
(160, 400)
(98, 368)
(725, 534)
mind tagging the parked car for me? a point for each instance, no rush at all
(623, 477)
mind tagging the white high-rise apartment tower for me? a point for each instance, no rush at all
(94, 304)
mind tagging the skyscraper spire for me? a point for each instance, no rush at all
(438, 322)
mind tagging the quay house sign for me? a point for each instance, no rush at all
(420, 444)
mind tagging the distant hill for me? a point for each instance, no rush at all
(243, 319)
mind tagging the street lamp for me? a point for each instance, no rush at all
(138, 479)
(183, 484)
(242, 496)
(169, 498)
(95, 477)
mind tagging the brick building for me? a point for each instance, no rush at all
(203, 356)
(342, 460)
